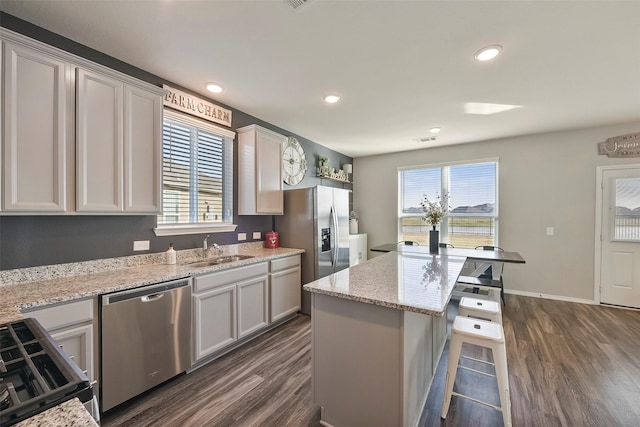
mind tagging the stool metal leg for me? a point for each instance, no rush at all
(502, 377)
(455, 347)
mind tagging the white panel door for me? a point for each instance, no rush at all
(253, 305)
(99, 140)
(142, 151)
(214, 320)
(269, 197)
(35, 107)
(620, 257)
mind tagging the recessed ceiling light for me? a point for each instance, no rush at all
(214, 87)
(434, 129)
(332, 99)
(487, 53)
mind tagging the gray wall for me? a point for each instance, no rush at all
(546, 180)
(27, 241)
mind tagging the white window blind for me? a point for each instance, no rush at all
(472, 189)
(197, 172)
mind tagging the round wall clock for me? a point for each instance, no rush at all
(294, 161)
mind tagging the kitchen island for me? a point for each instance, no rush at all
(378, 330)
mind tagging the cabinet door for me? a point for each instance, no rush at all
(253, 305)
(285, 293)
(214, 320)
(77, 343)
(269, 196)
(34, 139)
(99, 142)
(142, 151)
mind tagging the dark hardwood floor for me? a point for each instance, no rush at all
(569, 365)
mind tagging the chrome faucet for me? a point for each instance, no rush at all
(206, 248)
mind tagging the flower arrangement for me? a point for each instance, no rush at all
(435, 211)
(353, 215)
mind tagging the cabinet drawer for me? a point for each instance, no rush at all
(285, 263)
(61, 315)
(212, 280)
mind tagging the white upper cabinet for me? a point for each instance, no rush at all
(260, 171)
(35, 108)
(57, 108)
(99, 142)
(142, 150)
(119, 142)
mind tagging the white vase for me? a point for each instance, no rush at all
(353, 226)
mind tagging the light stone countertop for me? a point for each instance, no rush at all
(23, 295)
(421, 283)
(69, 413)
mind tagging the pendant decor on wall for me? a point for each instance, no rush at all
(621, 146)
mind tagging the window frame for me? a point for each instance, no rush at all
(201, 227)
(444, 189)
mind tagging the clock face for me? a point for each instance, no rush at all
(294, 161)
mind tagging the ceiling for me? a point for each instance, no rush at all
(401, 67)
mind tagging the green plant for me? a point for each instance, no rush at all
(435, 211)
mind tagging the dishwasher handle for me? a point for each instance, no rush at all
(152, 297)
(144, 293)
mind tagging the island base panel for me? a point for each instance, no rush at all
(372, 365)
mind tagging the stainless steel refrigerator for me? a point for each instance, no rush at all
(316, 219)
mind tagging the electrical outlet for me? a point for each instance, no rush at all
(257, 235)
(140, 245)
(549, 231)
(242, 236)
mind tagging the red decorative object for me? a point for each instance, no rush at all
(273, 240)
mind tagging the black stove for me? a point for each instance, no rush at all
(35, 374)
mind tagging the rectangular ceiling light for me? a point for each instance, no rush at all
(486, 108)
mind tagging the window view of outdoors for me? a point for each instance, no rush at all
(473, 217)
(627, 203)
(193, 171)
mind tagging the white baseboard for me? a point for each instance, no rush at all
(548, 296)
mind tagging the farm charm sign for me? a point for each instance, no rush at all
(621, 146)
(195, 106)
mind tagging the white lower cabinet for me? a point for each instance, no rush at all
(214, 320)
(227, 306)
(285, 287)
(72, 325)
(253, 305)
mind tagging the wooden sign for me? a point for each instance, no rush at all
(621, 146)
(195, 106)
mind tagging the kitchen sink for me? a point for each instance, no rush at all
(219, 260)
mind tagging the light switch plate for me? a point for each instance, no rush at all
(242, 236)
(549, 231)
(257, 235)
(140, 245)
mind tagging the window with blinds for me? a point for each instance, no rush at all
(472, 189)
(197, 182)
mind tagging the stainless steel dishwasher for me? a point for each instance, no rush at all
(145, 339)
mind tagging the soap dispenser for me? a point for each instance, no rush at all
(170, 255)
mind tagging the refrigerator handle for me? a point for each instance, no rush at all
(336, 240)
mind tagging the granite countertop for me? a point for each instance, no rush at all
(21, 296)
(412, 282)
(69, 413)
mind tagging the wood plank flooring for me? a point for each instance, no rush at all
(569, 365)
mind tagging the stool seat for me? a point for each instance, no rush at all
(480, 308)
(485, 334)
(477, 328)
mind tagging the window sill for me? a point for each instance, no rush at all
(175, 230)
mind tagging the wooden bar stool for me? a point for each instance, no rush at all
(480, 308)
(485, 334)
